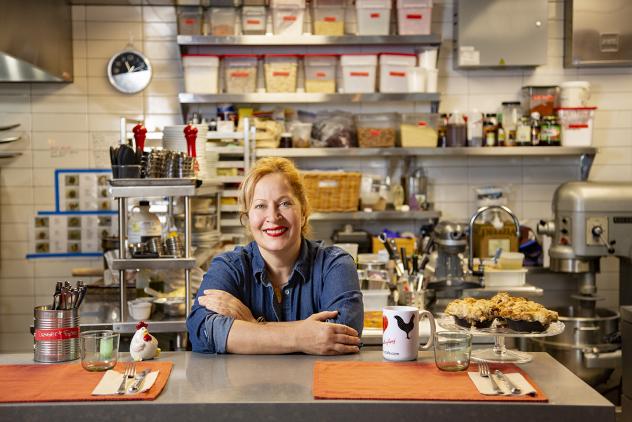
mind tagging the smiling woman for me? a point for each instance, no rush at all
(281, 293)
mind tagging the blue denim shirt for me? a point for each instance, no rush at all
(323, 279)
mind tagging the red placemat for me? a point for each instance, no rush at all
(68, 382)
(404, 381)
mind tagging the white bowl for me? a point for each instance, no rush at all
(139, 309)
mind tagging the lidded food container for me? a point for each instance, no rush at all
(253, 20)
(281, 72)
(287, 16)
(414, 17)
(320, 73)
(576, 125)
(240, 73)
(190, 21)
(373, 16)
(394, 71)
(574, 93)
(200, 73)
(222, 20)
(358, 72)
(377, 130)
(328, 17)
(541, 99)
(419, 130)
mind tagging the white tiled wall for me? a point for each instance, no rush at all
(73, 125)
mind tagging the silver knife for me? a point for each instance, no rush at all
(139, 381)
(512, 387)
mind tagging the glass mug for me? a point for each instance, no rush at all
(452, 350)
(99, 350)
(400, 332)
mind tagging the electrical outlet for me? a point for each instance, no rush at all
(591, 223)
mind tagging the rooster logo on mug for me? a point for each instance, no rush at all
(406, 327)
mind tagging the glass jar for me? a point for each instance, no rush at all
(523, 132)
(550, 132)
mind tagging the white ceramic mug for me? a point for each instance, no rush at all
(400, 332)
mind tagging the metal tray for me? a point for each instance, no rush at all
(155, 182)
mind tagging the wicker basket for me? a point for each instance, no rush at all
(332, 191)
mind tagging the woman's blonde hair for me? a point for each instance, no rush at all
(272, 165)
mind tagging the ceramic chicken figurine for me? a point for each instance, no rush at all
(143, 346)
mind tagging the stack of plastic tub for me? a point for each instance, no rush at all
(240, 73)
(200, 73)
(373, 16)
(358, 72)
(328, 17)
(395, 70)
(320, 73)
(287, 16)
(414, 17)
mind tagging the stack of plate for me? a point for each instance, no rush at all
(173, 139)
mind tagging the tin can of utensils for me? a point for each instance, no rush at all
(56, 334)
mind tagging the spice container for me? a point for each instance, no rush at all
(373, 16)
(377, 130)
(253, 20)
(190, 21)
(222, 20)
(541, 99)
(280, 71)
(287, 16)
(358, 72)
(320, 73)
(200, 73)
(413, 17)
(419, 130)
(394, 70)
(328, 17)
(240, 73)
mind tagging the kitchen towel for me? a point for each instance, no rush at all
(111, 381)
(484, 384)
(69, 382)
(405, 381)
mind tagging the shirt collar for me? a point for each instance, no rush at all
(302, 265)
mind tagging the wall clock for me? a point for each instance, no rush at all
(129, 71)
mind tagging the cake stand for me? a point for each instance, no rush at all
(499, 352)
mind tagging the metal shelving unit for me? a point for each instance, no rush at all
(375, 215)
(304, 98)
(122, 189)
(279, 40)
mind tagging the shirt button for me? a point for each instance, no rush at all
(287, 292)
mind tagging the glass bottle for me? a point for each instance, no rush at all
(442, 140)
(490, 130)
(456, 131)
(523, 132)
(535, 128)
(501, 136)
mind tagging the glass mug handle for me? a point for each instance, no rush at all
(433, 330)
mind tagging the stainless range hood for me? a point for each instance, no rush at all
(35, 41)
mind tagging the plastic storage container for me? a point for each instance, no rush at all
(542, 99)
(190, 21)
(574, 94)
(253, 20)
(200, 73)
(222, 20)
(375, 300)
(576, 125)
(373, 17)
(510, 260)
(377, 130)
(504, 278)
(419, 130)
(320, 73)
(287, 16)
(328, 17)
(414, 17)
(240, 74)
(358, 73)
(394, 71)
(281, 72)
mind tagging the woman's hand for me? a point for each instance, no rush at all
(225, 304)
(314, 336)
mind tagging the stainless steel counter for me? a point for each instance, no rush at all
(259, 388)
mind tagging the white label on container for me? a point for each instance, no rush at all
(327, 184)
(468, 56)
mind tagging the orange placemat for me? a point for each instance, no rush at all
(404, 381)
(68, 382)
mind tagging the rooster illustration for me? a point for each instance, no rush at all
(406, 327)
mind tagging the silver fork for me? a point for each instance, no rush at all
(130, 371)
(483, 369)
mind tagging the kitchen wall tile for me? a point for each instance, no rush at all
(15, 268)
(15, 323)
(614, 156)
(494, 161)
(447, 193)
(166, 50)
(552, 174)
(16, 196)
(44, 197)
(498, 84)
(159, 14)
(10, 88)
(100, 159)
(16, 214)
(551, 161)
(159, 31)
(126, 104)
(15, 250)
(103, 140)
(49, 140)
(97, 68)
(101, 86)
(453, 85)
(110, 31)
(449, 103)
(79, 49)
(78, 30)
(612, 137)
(108, 122)
(23, 119)
(62, 158)
(165, 87)
(538, 192)
(114, 13)
(99, 49)
(14, 232)
(437, 176)
(611, 119)
(607, 281)
(24, 161)
(504, 175)
(60, 122)
(79, 68)
(489, 103)
(16, 177)
(155, 121)
(14, 342)
(556, 10)
(78, 13)
(453, 210)
(610, 173)
(612, 100)
(15, 103)
(161, 105)
(79, 86)
(54, 267)
(167, 69)
(610, 264)
(16, 287)
(59, 104)
(536, 209)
